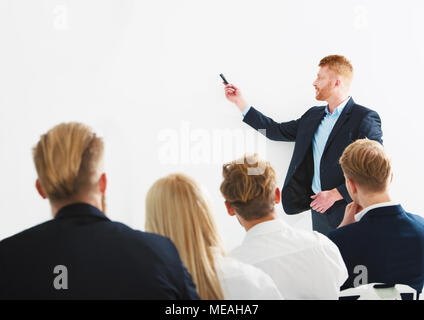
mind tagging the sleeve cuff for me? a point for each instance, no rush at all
(345, 194)
(246, 110)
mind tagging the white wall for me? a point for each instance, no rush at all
(144, 75)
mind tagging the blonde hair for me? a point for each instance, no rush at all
(251, 195)
(66, 159)
(339, 64)
(175, 208)
(365, 162)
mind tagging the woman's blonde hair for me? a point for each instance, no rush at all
(176, 208)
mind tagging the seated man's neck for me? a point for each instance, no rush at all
(369, 200)
(57, 206)
(250, 224)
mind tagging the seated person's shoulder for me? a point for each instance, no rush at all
(328, 240)
(147, 239)
(26, 235)
(232, 267)
(417, 221)
(311, 239)
(246, 276)
(249, 253)
(350, 230)
(235, 252)
(417, 218)
(157, 249)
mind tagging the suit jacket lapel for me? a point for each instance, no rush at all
(313, 125)
(306, 138)
(339, 123)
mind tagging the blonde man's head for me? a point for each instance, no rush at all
(366, 163)
(68, 161)
(250, 193)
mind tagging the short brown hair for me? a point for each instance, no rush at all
(366, 163)
(67, 158)
(339, 64)
(251, 195)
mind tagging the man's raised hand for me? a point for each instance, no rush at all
(233, 94)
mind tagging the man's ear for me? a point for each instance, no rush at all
(103, 183)
(337, 83)
(391, 177)
(352, 185)
(277, 196)
(40, 189)
(230, 209)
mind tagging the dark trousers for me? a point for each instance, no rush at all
(329, 220)
(320, 222)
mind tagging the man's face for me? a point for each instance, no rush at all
(324, 84)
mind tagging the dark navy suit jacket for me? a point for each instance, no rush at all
(104, 260)
(389, 242)
(355, 122)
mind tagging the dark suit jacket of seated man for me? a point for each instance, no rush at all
(388, 242)
(103, 260)
(355, 122)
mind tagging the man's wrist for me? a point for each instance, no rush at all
(242, 105)
(336, 194)
(344, 223)
(347, 220)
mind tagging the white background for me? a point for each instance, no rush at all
(144, 75)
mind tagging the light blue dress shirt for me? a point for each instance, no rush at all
(320, 140)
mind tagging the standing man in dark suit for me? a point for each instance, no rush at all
(378, 240)
(314, 179)
(80, 253)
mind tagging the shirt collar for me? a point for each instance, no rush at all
(266, 227)
(79, 209)
(360, 214)
(339, 108)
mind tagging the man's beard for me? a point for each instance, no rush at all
(320, 96)
(323, 94)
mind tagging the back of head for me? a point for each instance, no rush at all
(366, 163)
(249, 187)
(340, 65)
(176, 208)
(68, 161)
